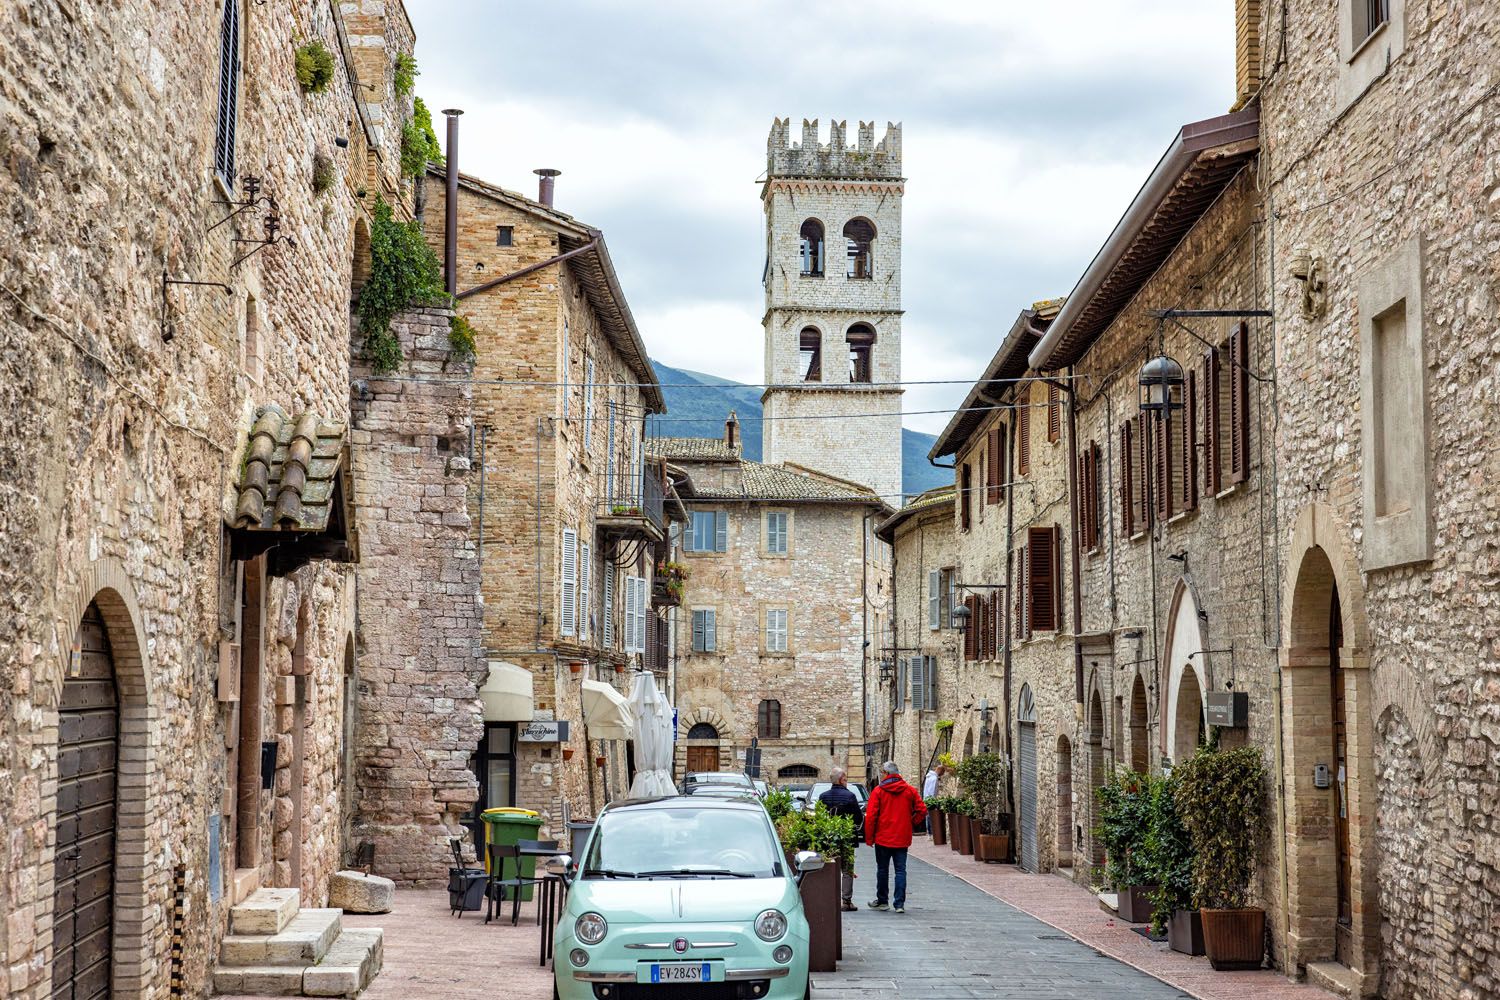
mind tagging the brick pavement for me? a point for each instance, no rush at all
(1075, 911)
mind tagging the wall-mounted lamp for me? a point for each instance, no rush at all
(961, 616)
(1158, 378)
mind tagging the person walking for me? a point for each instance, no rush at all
(894, 811)
(930, 788)
(839, 801)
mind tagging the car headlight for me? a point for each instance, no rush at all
(770, 925)
(591, 928)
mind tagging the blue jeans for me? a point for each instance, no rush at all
(883, 858)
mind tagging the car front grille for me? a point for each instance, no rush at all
(748, 990)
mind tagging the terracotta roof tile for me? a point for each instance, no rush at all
(676, 448)
(290, 473)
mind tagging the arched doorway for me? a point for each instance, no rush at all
(1095, 739)
(702, 748)
(361, 259)
(1026, 743)
(1187, 717)
(88, 726)
(1140, 748)
(1186, 677)
(968, 744)
(1065, 837)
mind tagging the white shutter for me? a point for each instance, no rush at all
(588, 404)
(900, 692)
(917, 686)
(721, 531)
(700, 622)
(609, 605)
(568, 619)
(629, 614)
(934, 598)
(585, 580)
(930, 675)
(641, 602)
(711, 630)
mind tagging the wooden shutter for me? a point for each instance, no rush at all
(971, 633)
(1023, 431)
(1095, 494)
(1161, 467)
(966, 491)
(585, 583)
(995, 477)
(609, 606)
(1211, 458)
(1018, 588)
(1127, 480)
(986, 629)
(1057, 579)
(929, 674)
(1239, 404)
(1143, 434)
(918, 684)
(1054, 413)
(1041, 588)
(630, 609)
(899, 695)
(1189, 485)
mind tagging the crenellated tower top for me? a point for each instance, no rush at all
(809, 158)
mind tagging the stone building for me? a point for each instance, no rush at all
(178, 501)
(570, 517)
(833, 316)
(780, 612)
(1379, 162)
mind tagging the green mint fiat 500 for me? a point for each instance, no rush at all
(679, 897)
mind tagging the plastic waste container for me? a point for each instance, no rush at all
(505, 826)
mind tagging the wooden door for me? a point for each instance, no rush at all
(84, 866)
(702, 759)
(1343, 942)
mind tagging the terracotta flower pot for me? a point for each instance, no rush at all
(1185, 932)
(1234, 939)
(992, 847)
(600, 761)
(964, 835)
(939, 827)
(575, 667)
(1135, 904)
(567, 753)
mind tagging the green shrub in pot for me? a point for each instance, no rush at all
(1121, 829)
(983, 777)
(1166, 853)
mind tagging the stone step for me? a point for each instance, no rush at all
(266, 911)
(259, 980)
(304, 941)
(353, 961)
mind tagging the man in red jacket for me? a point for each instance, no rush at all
(895, 808)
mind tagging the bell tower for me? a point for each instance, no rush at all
(833, 303)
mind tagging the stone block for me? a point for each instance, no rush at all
(356, 892)
(266, 911)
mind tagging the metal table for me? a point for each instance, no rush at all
(549, 902)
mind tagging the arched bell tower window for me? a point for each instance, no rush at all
(810, 351)
(861, 340)
(812, 248)
(859, 237)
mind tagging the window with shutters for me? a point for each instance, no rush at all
(776, 526)
(1023, 431)
(1020, 577)
(776, 630)
(567, 623)
(811, 248)
(585, 581)
(916, 670)
(637, 602)
(1089, 527)
(709, 532)
(705, 630)
(608, 611)
(588, 407)
(810, 351)
(1054, 413)
(768, 719)
(229, 95)
(934, 598)
(1043, 579)
(995, 474)
(505, 236)
(965, 491)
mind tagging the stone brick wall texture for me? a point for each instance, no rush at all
(120, 443)
(420, 641)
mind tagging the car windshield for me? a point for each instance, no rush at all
(681, 842)
(718, 778)
(823, 786)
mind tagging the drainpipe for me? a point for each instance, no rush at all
(1010, 527)
(864, 647)
(1073, 546)
(450, 206)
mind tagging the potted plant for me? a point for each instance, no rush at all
(983, 777)
(567, 753)
(575, 666)
(834, 838)
(1220, 796)
(1166, 859)
(938, 818)
(1122, 832)
(600, 760)
(961, 831)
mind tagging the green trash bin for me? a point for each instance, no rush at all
(505, 827)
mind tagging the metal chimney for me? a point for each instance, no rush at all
(450, 207)
(546, 185)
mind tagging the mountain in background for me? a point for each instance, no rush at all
(697, 405)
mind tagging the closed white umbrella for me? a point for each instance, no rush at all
(653, 739)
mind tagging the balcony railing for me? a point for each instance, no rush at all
(638, 507)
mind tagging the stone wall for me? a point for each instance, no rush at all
(419, 659)
(120, 443)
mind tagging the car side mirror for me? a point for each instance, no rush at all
(807, 861)
(561, 865)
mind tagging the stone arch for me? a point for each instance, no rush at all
(1317, 527)
(360, 258)
(1094, 735)
(1139, 726)
(811, 240)
(1188, 677)
(1065, 838)
(139, 878)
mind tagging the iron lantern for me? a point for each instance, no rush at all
(961, 616)
(1161, 381)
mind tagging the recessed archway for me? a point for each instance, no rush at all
(1187, 680)
(1094, 739)
(1064, 803)
(1140, 745)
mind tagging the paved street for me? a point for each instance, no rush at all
(956, 941)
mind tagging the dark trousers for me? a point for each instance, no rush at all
(884, 856)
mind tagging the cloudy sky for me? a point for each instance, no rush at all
(1027, 127)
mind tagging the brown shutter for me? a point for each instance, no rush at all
(1239, 405)
(1057, 579)
(1211, 457)
(1163, 443)
(971, 634)
(1143, 433)
(1023, 432)
(995, 476)
(1189, 484)
(1021, 575)
(1040, 584)
(1127, 484)
(1091, 497)
(1054, 413)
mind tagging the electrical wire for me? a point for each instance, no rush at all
(539, 384)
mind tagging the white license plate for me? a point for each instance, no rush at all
(679, 972)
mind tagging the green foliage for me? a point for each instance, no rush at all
(947, 759)
(943, 726)
(322, 172)
(983, 777)
(832, 836)
(1166, 853)
(419, 145)
(405, 77)
(778, 803)
(461, 338)
(403, 272)
(1221, 798)
(1122, 826)
(314, 64)
(962, 806)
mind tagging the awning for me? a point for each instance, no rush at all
(607, 712)
(506, 695)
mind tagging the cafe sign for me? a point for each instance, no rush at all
(543, 731)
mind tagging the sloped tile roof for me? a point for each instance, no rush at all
(290, 473)
(939, 496)
(759, 481)
(678, 448)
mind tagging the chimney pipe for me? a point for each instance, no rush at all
(545, 186)
(450, 207)
(732, 432)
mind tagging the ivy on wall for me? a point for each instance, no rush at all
(403, 272)
(419, 144)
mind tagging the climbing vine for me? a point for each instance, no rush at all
(406, 74)
(314, 67)
(403, 272)
(419, 145)
(461, 338)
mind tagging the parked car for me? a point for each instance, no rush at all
(725, 908)
(697, 780)
(818, 788)
(761, 788)
(798, 793)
